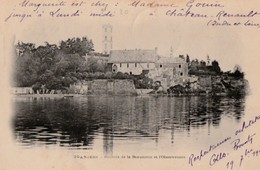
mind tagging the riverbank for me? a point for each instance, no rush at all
(49, 95)
(139, 94)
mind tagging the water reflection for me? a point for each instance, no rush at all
(74, 123)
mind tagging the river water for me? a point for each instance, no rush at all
(111, 124)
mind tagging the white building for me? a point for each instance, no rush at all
(132, 61)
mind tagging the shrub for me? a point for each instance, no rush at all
(120, 75)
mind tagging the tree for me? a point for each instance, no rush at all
(46, 76)
(120, 75)
(202, 64)
(68, 63)
(77, 46)
(188, 59)
(215, 67)
(194, 67)
(22, 48)
(101, 67)
(237, 68)
(46, 54)
(238, 74)
(51, 65)
(75, 62)
(92, 65)
(26, 69)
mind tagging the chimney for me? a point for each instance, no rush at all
(155, 49)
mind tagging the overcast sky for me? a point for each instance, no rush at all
(138, 30)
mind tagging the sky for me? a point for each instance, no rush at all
(144, 35)
(139, 31)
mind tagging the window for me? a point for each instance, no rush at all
(120, 64)
(105, 37)
(161, 65)
(181, 74)
(130, 72)
(135, 64)
(179, 66)
(127, 65)
(147, 65)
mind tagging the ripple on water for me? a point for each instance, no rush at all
(82, 123)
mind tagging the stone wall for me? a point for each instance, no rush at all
(79, 88)
(124, 87)
(112, 87)
(22, 90)
(98, 87)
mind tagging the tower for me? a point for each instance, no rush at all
(107, 38)
(208, 61)
(171, 52)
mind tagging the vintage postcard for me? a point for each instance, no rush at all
(132, 84)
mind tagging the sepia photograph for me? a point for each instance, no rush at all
(130, 85)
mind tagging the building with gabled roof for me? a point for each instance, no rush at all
(170, 71)
(132, 61)
(167, 70)
(177, 65)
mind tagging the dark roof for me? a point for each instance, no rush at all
(132, 56)
(171, 60)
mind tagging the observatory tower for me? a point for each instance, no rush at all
(107, 39)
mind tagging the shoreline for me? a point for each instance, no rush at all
(140, 94)
(48, 95)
